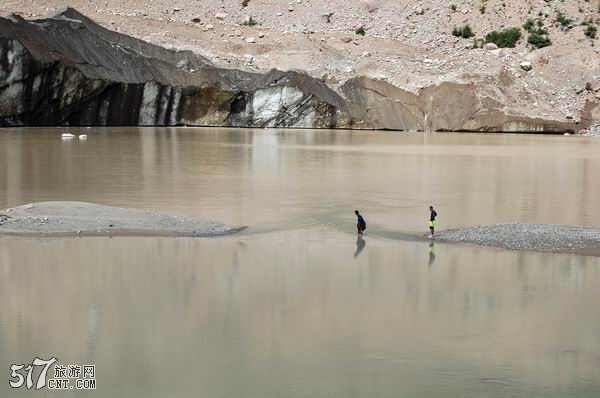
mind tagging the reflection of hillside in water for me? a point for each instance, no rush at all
(277, 179)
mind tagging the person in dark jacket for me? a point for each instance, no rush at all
(361, 224)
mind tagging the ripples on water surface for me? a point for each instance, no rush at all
(296, 306)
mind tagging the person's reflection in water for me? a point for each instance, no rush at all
(360, 245)
(431, 253)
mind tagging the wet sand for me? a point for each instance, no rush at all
(71, 219)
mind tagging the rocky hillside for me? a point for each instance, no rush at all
(408, 71)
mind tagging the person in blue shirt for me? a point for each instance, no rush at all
(361, 224)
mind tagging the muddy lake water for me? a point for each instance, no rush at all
(297, 305)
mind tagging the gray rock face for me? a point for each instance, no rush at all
(445, 107)
(67, 70)
(593, 85)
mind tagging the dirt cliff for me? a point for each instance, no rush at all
(69, 70)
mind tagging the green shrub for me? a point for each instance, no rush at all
(453, 7)
(538, 35)
(589, 21)
(250, 22)
(360, 31)
(562, 19)
(477, 43)
(482, 9)
(591, 31)
(465, 32)
(529, 24)
(505, 38)
(539, 38)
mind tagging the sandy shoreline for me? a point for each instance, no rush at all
(565, 239)
(72, 219)
(80, 219)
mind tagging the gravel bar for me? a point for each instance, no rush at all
(530, 237)
(70, 219)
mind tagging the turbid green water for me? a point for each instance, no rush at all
(296, 306)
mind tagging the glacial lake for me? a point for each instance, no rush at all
(296, 305)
